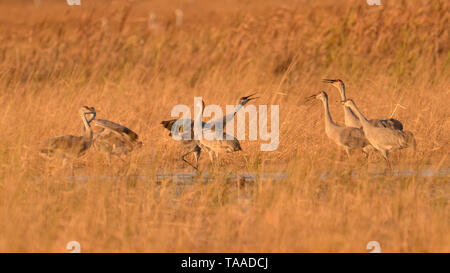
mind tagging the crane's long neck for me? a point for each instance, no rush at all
(197, 123)
(362, 118)
(342, 91)
(199, 114)
(329, 123)
(231, 116)
(87, 128)
(351, 120)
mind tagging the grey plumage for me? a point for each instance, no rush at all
(187, 142)
(351, 120)
(70, 147)
(383, 139)
(213, 147)
(349, 138)
(114, 139)
(216, 141)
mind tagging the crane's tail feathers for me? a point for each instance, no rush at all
(168, 124)
(116, 128)
(46, 152)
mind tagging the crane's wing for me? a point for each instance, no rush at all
(387, 123)
(354, 137)
(393, 124)
(68, 144)
(392, 139)
(168, 124)
(117, 129)
(228, 143)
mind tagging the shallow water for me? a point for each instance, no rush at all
(242, 177)
(427, 173)
(227, 176)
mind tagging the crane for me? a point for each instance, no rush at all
(351, 120)
(349, 138)
(190, 145)
(187, 142)
(214, 141)
(114, 139)
(214, 145)
(70, 147)
(384, 139)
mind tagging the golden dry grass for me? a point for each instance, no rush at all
(55, 58)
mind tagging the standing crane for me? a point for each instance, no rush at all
(114, 139)
(384, 139)
(351, 120)
(349, 138)
(70, 147)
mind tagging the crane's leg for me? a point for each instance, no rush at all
(347, 150)
(126, 162)
(386, 158)
(121, 159)
(108, 158)
(217, 157)
(72, 169)
(184, 159)
(197, 151)
(412, 142)
(388, 164)
(366, 150)
(64, 165)
(211, 157)
(366, 154)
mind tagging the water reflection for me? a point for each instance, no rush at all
(191, 177)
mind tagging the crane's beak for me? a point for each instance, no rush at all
(310, 98)
(328, 81)
(250, 97)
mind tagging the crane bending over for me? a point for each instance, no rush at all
(214, 145)
(351, 120)
(114, 139)
(349, 138)
(187, 142)
(70, 147)
(190, 145)
(383, 139)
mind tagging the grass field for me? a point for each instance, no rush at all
(54, 58)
